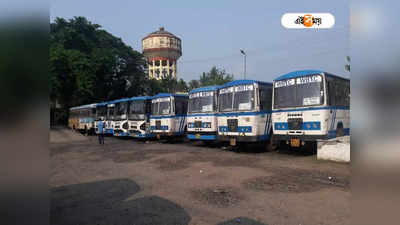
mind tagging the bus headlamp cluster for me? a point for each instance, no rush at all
(207, 125)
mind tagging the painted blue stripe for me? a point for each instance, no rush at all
(243, 113)
(167, 116)
(161, 127)
(266, 124)
(146, 135)
(311, 125)
(310, 109)
(201, 114)
(241, 129)
(122, 134)
(180, 125)
(202, 137)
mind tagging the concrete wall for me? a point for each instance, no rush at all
(337, 149)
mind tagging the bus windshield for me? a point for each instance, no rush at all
(161, 106)
(110, 113)
(237, 98)
(137, 109)
(101, 112)
(121, 110)
(299, 92)
(202, 102)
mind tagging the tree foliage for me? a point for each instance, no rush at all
(214, 77)
(88, 64)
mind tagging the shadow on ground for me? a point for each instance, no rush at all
(241, 221)
(103, 202)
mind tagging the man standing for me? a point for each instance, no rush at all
(100, 131)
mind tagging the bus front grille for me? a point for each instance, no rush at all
(232, 125)
(197, 124)
(158, 124)
(295, 123)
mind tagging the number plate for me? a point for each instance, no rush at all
(116, 134)
(295, 142)
(198, 136)
(232, 141)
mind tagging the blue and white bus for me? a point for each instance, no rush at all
(168, 114)
(244, 111)
(86, 115)
(139, 117)
(309, 105)
(101, 114)
(202, 114)
(109, 123)
(121, 124)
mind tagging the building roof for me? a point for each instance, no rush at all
(161, 32)
(298, 73)
(207, 88)
(242, 82)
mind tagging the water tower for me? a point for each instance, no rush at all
(162, 50)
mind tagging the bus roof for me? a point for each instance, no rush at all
(93, 105)
(102, 104)
(162, 95)
(141, 98)
(120, 100)
(242, 82)
(206, 88)
(298, 73)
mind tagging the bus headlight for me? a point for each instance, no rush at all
(207, 125)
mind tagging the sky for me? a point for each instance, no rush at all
(214, 31)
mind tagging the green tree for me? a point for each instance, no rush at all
(193, 84)
(215, 77)
(88, 64)
(347, 66)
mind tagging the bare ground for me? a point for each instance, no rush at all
(137, 182)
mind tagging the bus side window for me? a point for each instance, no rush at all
(265, 98)
(178, 106)
(332, 93)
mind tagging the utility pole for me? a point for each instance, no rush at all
(244, 66)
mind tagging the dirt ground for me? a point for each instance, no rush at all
(136, 182)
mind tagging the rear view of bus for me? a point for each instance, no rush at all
(309, 105)
(168, 114)
(139, 117)
(121, 124)
(202, 114)
(244, 111)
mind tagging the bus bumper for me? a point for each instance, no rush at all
(203, 136)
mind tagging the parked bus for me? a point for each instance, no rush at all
(202, 114)
(82, 118)
(109, 123)
(309, 105)
(244, 111)
(101, 114)
(73, 119)
(139, 117)
(168, 114)
(121, 123)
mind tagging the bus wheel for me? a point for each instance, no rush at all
(339, 130)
